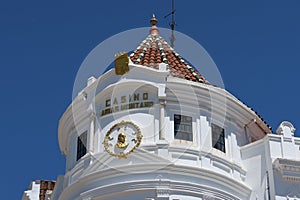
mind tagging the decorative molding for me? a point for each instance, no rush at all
(208, 197)
(286, 129)
(164, 189)
(190, 185)
(162, 192)
(87, 198)
(289, 169)
(162, 102)
(93, 116)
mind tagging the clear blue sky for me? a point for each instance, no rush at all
(255, 44)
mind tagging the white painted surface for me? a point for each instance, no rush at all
(167, 168)
(33, 192)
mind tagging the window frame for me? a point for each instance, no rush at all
(218, 138)
(81, 149)
(183, 128)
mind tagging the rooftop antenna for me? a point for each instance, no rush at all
(172, 24)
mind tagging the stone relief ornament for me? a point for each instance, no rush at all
(122, 139)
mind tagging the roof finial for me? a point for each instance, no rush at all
(153, 22)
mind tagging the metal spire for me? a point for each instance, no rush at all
(172, 24)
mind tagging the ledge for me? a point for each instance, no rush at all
(289, 169)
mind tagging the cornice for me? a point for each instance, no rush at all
(289, 169)
(140, 174)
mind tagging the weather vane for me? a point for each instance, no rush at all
(172, 24)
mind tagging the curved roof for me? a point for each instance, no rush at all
(155, 50)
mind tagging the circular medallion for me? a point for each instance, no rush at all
(122, 139)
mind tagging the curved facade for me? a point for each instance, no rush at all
(156, 129)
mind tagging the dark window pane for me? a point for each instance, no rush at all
(183, 127)
(218, 137)
(81, 145)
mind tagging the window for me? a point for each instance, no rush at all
(183, 127)
(81, 145)
(218, 137)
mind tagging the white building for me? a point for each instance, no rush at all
(39, 190)
(157, 129)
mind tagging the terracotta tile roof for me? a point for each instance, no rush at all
(155, 50)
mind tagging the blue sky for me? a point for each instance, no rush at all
(255, 44)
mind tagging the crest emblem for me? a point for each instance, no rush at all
(122, 139)
(121, 63)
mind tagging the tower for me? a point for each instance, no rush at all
(159, 130)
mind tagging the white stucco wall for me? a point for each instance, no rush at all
(190, 169)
